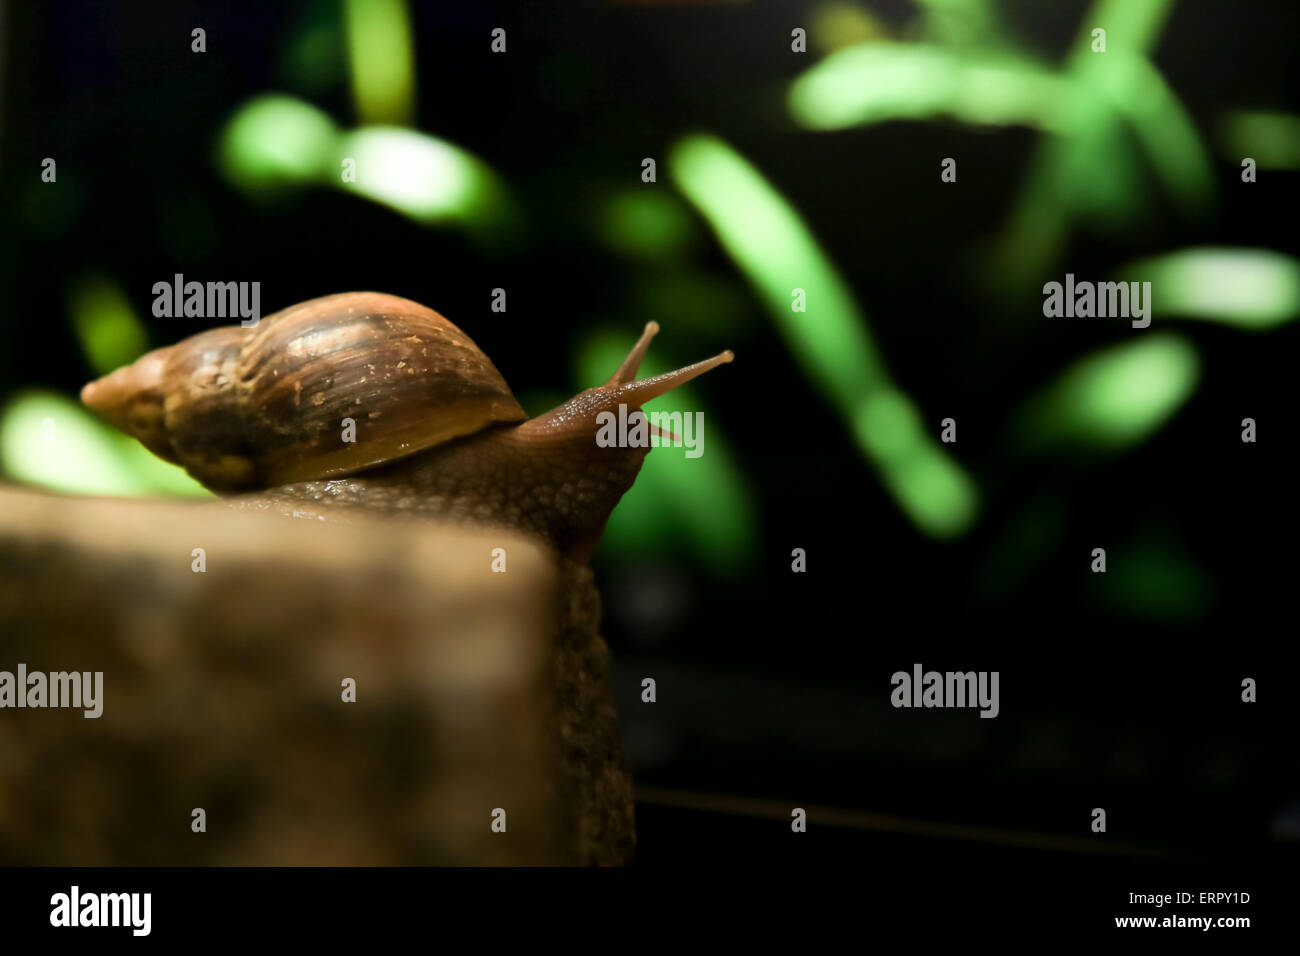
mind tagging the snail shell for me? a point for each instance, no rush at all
(261, 407)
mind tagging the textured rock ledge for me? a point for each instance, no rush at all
(222, 690)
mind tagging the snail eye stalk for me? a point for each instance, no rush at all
(627, 371)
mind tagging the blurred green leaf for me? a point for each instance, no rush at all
(420, 176)
(837, 24)
(107, 329)
(777, 253)
(278, 140)
(973, 74)
(1115, 398)
(315, 53)
(962, 23)
(874, 83)
(1139, 93)
(1023, 544)
(382, 56)
(275, 140)
(701, 301)
(1097, 172)
(1271, 139)
(646, 224)
(1132, 26)
(1253, 289)
(1153, 580)
(1090, 168)
(49, 440)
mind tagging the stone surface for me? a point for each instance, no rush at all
(222, 690)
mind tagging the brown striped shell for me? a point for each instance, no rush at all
(265, 406)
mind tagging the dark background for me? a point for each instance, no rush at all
(773, 687)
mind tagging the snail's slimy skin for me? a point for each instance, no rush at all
(547, 477)
(552, 483)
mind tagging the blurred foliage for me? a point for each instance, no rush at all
(105, 324)
(1114, 398)
(1095, 111)
(651, 226)
(1022, 544)
(1091, 170)
(315, 56)
(836, 25)
(50, 440)
(1272, 140)
(382, 57)
(1252, 289)
(1105, 127)
(423, 177)
(875, 83)
(277, 141)
(962, 23)
(1156, 582)
(777, 253)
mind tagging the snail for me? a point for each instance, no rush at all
(436, 430)
(261, 415)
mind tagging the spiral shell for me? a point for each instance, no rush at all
(262, 407)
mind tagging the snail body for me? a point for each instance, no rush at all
(263, 413)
